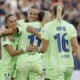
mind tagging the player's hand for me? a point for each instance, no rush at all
(33, 31)
(14, 29)
(31, 48)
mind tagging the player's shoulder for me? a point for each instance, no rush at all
(20, 21)
(48, 24)
(36, 24)
(51, 23)
(67, 23)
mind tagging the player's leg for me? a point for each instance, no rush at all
(21, 75)
(36, 68)
(22, 68)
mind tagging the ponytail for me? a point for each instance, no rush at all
(57, 9)
(59, 12)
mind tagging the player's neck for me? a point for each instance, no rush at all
(59, 18)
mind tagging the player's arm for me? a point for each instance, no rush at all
(44, 46)
(74, 42)
(75, 47)
(44, 43)
(44, 39)
(33, 31)
(9, 31)
(13, 52)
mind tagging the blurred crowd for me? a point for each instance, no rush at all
(20, 7)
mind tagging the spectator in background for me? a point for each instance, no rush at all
(2, 4)
(20, 15)
(37, 2)
(8, 8)
(70, 12)
(2, 17)
(45, 4)
(78, 6)
(11, 5)
(24, 5)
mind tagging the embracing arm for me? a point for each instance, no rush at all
(44, 46)
(13, 52)
(9, 31)
(33, 31)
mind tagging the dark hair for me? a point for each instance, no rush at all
(6, 18)
(2, 12)
(2, 2)
(41, 15)
(54, 10)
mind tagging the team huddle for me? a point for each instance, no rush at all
(39, 48)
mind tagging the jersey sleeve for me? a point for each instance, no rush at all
(45, 32)
(73, 32)
(5, 41)
(20, 27)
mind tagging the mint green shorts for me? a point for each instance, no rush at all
(29, 67)
(56, 74)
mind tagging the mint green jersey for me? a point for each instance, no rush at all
(7, 62)
(26, 37)
(20, 21)
(28, 60)
(59, 35)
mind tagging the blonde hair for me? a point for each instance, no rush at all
(59, 11)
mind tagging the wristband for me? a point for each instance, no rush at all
(24, 49)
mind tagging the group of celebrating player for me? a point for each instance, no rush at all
(39, 48)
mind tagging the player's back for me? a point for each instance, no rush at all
(60, 34)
